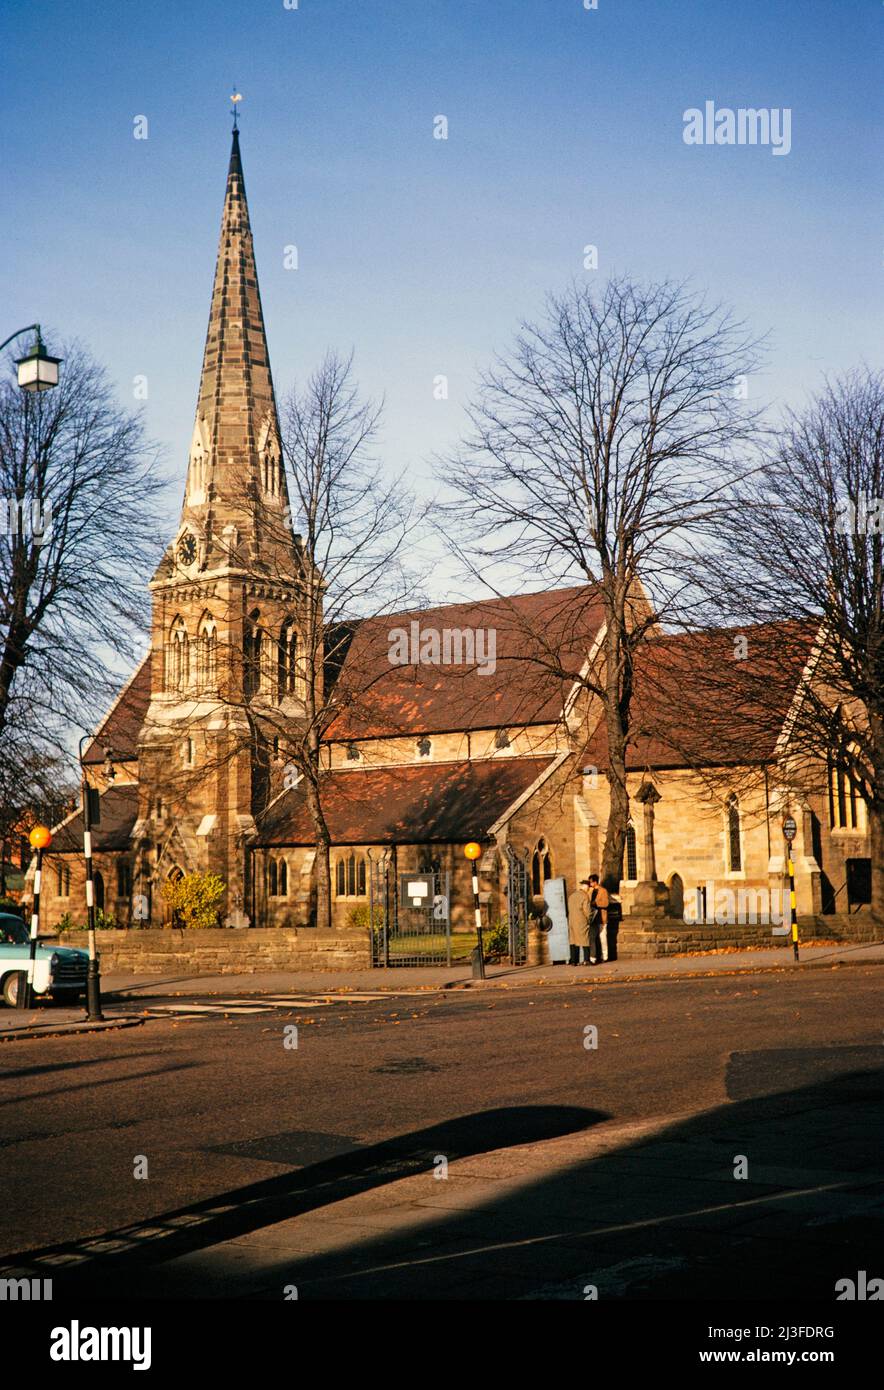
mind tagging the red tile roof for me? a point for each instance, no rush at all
(119, 808)
(410, 804)
(541, 641)
(119, 732)
(697, 704)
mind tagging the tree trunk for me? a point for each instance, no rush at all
(618, 815)
(618, 820)
(876, 835)
(322, 863)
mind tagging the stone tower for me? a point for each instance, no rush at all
(225, 668)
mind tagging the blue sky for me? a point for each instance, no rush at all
(565, 128)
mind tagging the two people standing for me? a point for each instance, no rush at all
(588, 921)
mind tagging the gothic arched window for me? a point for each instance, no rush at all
(178, 656)
(734, 846)
(847, 809)
(252, 656)
(631, 854)
(206, 653)
(197, 479)
(272, 878)
(541, 867)
(350, 880)
(283, 879)
(287, 659)
(271, 473)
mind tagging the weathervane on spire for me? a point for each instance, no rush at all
(235, 97)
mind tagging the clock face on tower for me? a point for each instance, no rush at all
(187, 549)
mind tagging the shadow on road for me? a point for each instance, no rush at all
(669, 1216)
(247, 1209)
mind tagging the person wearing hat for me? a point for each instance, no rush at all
(579, 913)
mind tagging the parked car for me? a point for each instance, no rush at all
(59, 971)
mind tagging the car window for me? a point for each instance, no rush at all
(13, 931)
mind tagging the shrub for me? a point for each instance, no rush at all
(363, 916)
(194, 900)
(104, 921)
(496, 938)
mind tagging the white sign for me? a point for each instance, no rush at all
(556, 909)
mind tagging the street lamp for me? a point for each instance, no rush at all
(37, 371)
(472, 852)
(40, 839)
(93, 977)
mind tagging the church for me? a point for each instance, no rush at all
(467, 736)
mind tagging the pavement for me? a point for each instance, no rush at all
(123, 990)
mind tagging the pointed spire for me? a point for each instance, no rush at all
(235, 165)
(236, 389)
(235, 453)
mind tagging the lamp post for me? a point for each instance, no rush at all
(40, 839)
(472, 852)
(790, 830)
(37, 371)
(93, 977)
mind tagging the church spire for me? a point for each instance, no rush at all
(235, 454)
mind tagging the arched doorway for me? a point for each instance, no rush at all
(676, 896)
(174, 875)
(541, 867)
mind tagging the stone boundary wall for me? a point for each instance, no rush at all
(227, 951)
(643, 938)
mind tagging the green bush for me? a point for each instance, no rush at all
(104, 921)
(363, 916)
(496, 938)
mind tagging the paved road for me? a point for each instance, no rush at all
(320, 1166)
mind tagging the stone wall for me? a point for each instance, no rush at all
(642, 938)
(227, 952)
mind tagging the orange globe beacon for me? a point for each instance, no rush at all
(40, 837)
(472, 850)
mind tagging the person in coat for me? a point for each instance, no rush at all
(579, 911)
(599, 902)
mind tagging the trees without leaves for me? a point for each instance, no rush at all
(77, 484)
(607, 444)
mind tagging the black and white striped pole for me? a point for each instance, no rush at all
(93, 976)
(40, 839)
(472, 852)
